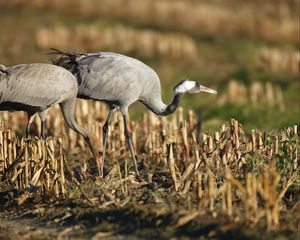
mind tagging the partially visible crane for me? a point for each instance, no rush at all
(34, 88)
(30, 113)
(119, 81)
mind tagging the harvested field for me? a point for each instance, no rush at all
(232, 179)
(223, 166)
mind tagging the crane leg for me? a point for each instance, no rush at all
(43, 126)
(105, 131)
(30, 117)
(130, 145)
(68, 108)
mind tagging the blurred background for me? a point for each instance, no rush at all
(247, 50)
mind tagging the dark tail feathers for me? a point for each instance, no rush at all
(3, 69)
(67, 59)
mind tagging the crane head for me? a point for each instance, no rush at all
(191, 87)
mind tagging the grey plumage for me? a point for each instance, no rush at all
(114, 77)
(35, 87)
(120, 81)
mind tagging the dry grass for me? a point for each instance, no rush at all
(32, 164)
(273, 22)
(121, 39)
(227, 172)
(277, 60)
(240, 177)
(256, 94)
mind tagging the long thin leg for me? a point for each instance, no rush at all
(129, 141)
(68, 108)
(30, 117)
(43, 126)
(105, 131)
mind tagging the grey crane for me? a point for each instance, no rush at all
(34, 88)
(119, 81)
(30, 112)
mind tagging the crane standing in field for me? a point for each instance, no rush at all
(34, 88)
(120, 81)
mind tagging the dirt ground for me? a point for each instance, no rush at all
(119, 206)
(150, 214)
(71, 221)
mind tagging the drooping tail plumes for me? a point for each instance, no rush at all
(67, 59)
(3, 69)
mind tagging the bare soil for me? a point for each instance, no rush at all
(150, 214)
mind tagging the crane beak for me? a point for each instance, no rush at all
(206, 89)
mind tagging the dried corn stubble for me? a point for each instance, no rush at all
(223, 168)
(205, 15)
(38, 166)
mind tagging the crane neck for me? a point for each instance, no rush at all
(157, 106)
(172, 106)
